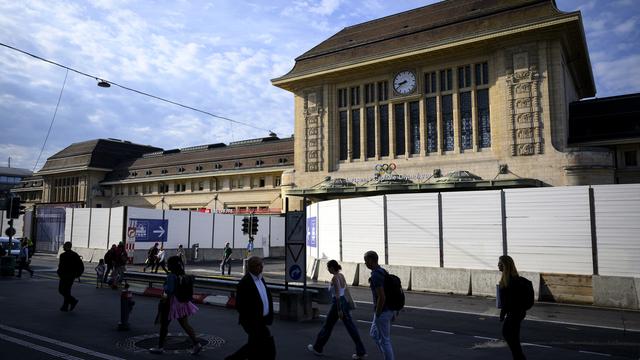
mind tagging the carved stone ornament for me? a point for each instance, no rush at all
(313, 113)
(523, 101)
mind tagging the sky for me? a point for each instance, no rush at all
(217, 56)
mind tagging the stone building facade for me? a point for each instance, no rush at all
(482, 86)
(239, 177)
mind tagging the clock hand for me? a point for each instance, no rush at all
(402, 82)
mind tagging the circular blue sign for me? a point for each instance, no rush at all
(295, 272)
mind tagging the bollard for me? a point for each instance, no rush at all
(126, 305)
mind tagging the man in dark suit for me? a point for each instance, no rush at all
(69, 268)
(255, 305)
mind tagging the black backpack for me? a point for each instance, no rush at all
(184, 288)
(393, 293)
(79, 266)
(524, 294)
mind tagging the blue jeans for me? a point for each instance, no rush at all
(332, 318)
(381, 333)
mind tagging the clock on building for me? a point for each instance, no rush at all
(404, 82)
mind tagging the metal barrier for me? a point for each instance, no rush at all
(319, 294)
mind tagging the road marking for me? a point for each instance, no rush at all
(537, 345)
(39, 348)
(526, 319)
(485, 338)
(442, 332)
(404, 327)
(593, 353)
(60, 343)
(364, 321)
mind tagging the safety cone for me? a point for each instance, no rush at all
(231, 302)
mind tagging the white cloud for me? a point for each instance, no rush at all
(620, 76)
(626, 26)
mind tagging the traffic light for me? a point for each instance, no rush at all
(15, 209)
(254, 225)
(245, 225)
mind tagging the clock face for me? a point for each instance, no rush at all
(405, 82)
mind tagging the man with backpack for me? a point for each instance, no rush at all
(69, 268)
(384, 314)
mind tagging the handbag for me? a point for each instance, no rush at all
(347, 295)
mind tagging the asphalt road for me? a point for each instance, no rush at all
(431, 326)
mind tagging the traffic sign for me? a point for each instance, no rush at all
(295, 254)
(149, 230)
(10, 232)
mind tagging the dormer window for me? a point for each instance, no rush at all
(133, 173)
(259, 163)
(217, 166)
(164, 171)
(181, 169)
(282, 160)
(199, 167)
(148, 172)
(237, 164)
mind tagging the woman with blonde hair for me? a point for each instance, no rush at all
(510, 313)
(339, 310)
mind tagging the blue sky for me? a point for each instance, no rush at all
(218, 56)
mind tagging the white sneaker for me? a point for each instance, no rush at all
(156, 350)
(311, 349)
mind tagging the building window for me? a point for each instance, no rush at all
(466, 128)
(199, 168)
(430, 83)
(200, 185)
(482, 74)
(163, 188)
(371, 131)
(630, 158)
(446, 80)
(213, 184)
(398, 110)
(384, 130)
(369, 93)
(342, 98)
(261, 182)
(484, 125)
(241, 182)
(464, 76)
(179, 187)
(447, 122)
(383, 91)
(355, 134)
(343, 135)
(431, 126)
(276, 181)
(355, 96)
(414, 127)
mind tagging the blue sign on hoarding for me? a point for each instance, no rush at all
(311, 232)
(149, 230)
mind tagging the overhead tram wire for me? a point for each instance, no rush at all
(134, 90)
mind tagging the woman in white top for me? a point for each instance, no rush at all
(339, 310)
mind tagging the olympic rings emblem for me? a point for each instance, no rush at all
(385, 168)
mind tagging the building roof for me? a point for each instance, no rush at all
(266, 152)
(605, 121)
(429, 27)
(97, 154)
(11, 171)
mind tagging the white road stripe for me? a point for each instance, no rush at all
(485, 338)
(442, 332)
(537, 345)
(60, 343)
(593, 353)
(404, 327)
(39, 348)
(364, 321)
(528, 318)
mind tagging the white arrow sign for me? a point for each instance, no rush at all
(159, 232)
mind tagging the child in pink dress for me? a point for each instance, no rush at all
(176, 304)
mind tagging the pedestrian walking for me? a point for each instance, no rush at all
(152, 256)
(160, 260)
(340, 309)
(109, 256)
(383, 316)
(255, 308)
(511, 314)
(24, 259)
(70, 267)
(176, 304)
(226, 259)
(182, 254)
(119, 265)
(100, 269)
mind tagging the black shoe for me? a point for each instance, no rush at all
(73, 305)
